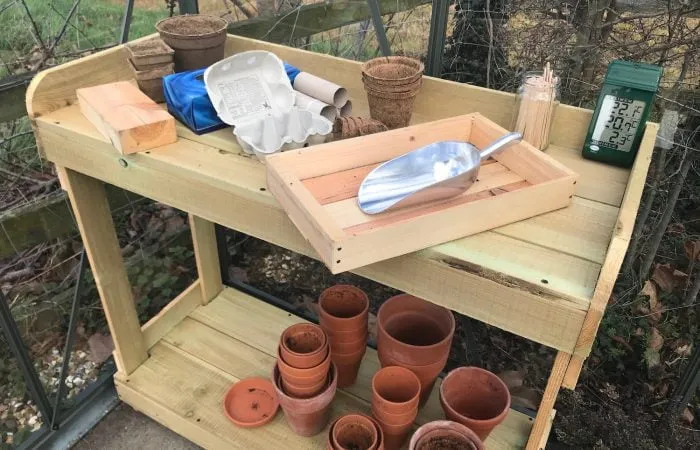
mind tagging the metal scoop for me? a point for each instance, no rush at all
(434, 172)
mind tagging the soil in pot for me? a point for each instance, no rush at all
(445, 434)
(355, 432)
(475, 398)
(444, 443)
(198, 40)
(303, 345)
(343, 308)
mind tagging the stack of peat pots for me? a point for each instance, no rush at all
(343, 315)
(355, 431)
(395, 397)
(417, 335)
(350, 127)
(305, 378)
(150, 61)
(392, 83)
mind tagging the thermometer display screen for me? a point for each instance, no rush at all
(618, 122)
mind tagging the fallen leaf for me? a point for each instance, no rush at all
(512, 378)
(238, 274)
(688, 416)
(655, 310)
(101, 347)
(372, 324)
(525, 397)
(656, 341)
(692, 250)
(667, 278)
(652, 357)
(675, 228)
(622, 341)
(684, 350)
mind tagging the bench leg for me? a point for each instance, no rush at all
(207, 257)
(92, 212)
(537, 438)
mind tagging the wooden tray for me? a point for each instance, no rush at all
(318, 187)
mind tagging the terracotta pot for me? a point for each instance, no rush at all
(307, 416)
(198, 39)
(304, 377)
(344, 336)
(445, 434)
(414, 331)
(354, 432)
(251, 402)
(348, 347)
(475, 398)
(300, 391)
(394, 435)
(395, 419)
(426, 374)
(395, 390)
(343, 308)
(348, 366)
(377, 427)
(303, 345)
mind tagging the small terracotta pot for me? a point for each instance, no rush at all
(414, 331)
(475, 398)
(348, 366)
(395, 419)
(445, 434)
(303, 345)
(355, 431)
(426, 374)
(299, 391)
(304, 377)
(394, 435)
(343, 307)
(348, 347)
(395, 390)
(377, 427)
(307, 416)
(344, 336)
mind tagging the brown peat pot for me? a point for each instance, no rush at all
(307, 416)
(413, 331)
(343, 308)
(303, 345)
(304, 377)
(475, 398)
(355, 432)
(444, 434)
(198, 39)
(392, 70)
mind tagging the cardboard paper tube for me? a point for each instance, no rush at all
(321, 89)
(303, 101)
(346, 109)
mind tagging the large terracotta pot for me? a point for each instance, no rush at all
(303, 345)
(355, 431)
(414, 331)
(475, 398)
(343, 308)
(445, 434)
(307, 416)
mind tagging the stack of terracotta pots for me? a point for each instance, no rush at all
(355, 432)
(343, 314)
(476, 398)
(417, 335)
(392, 83)
(305, 378)
(395, 396)
(444, 434)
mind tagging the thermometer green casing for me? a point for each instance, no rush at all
(621, 112)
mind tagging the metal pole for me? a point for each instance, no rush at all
(436, 40)
(687, 385)
(188, 6)
(379, 27)
(14, 339)
(126, 21)
(70, 339)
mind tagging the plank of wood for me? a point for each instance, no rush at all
(217, 186)
(127, 117)
(94, 219)
(215, 338)
(172, 314)
(544, 416)
(206, 255)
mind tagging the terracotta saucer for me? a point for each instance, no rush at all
(251, 402)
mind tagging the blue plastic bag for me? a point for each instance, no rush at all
(187, 100)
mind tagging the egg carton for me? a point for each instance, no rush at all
(251, 91)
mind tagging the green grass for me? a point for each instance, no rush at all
(96, 23)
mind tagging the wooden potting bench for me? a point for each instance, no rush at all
(547, 279)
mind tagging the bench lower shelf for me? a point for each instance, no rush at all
(183, 382)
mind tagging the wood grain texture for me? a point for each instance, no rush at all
(89, 202)
(127, 117)
(206, 255)
(543, 421)
(172, 314)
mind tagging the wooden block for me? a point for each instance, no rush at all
(127, 117)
